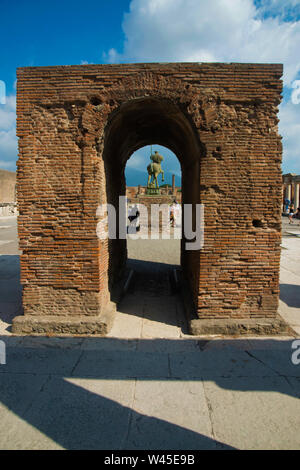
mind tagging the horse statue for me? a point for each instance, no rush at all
(154, 169)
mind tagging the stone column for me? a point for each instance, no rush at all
(173, 185)
(289, 191)
(296, 195)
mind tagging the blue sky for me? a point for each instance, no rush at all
(136, 168)
(35, 33)
(60, 32)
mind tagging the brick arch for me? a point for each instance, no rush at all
(77, 127)
(143, 121)
(173, 93)
(149, 84)
(137, 111)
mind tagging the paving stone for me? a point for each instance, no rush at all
(21, 360)
(168, 345)
(109, 344)
(17, 392)
(75, 414)
(51, 342)
(163, 421)
(279, 360)
(254, 412)
(126, 326)
(124, 364)
(217, 363)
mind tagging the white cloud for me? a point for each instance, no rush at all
(201, 31)
(177, 30)
(136, 161)
(112, 57)
(8, 139)
(2, 92)
(216, 30)
(8, 113)
(289, 128)
(224, 31)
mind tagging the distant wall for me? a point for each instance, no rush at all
(132, 192)
(7, 186)
(291, 190)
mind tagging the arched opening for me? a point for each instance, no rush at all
(74, 141)
(154, 220)
(135, 124)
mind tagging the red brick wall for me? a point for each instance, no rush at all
(77, 125)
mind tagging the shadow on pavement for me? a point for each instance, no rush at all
(152, 294)
(290, 295)
(58, 386)
(78, 392)
(10, 288)
(76, 418)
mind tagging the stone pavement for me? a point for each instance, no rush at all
(289, 304)
(149, 385)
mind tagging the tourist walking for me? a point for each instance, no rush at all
(291, 214)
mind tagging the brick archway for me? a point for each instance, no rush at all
(78, 125)
(139, 122)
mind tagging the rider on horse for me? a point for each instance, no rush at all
(154, 169)
(156, 158)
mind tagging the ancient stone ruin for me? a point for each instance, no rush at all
(78, 125)
(8, 204)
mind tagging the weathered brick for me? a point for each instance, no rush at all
(78, 125)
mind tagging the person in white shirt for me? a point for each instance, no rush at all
(175, 214)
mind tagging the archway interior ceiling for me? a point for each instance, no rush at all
(142, 122)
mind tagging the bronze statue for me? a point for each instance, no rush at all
(154, 169)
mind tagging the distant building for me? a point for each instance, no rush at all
(8, 205)
(7, 186)
(132, 192)
(290, 190)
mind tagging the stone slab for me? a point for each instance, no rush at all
(210, 364)
(167, 345)
(254, 412)
(43, 361)
(75, 414)
(127, 364)
(17, 392)
(60, 325)
(279, 360)
(162, 421)
(243, 326)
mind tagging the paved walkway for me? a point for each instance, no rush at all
(151, 309)
(148, 385)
